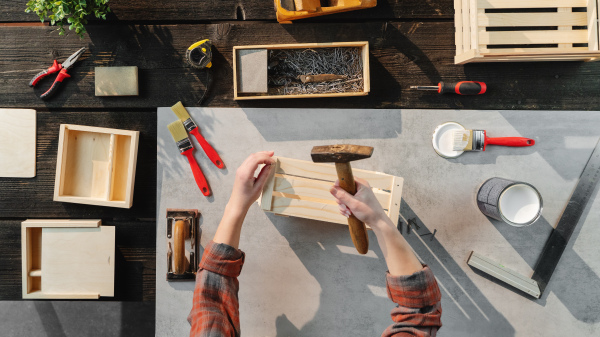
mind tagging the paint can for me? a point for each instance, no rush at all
(443, 139)
(517, 203)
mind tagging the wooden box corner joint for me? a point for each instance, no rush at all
(67, 259)
(526, 30)
(301, 189)
(96, 166)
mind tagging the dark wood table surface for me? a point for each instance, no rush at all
(411, 42)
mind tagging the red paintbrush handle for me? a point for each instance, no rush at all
(208, 149)
(198, 175)
(510, 141)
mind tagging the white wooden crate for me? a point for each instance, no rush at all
(526, 30)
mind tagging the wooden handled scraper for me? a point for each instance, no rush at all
(183, 237)
(342, 155)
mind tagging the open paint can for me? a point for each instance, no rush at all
(443, 139)
(517, 203)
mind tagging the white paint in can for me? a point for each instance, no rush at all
(443, 139)
(520, 204)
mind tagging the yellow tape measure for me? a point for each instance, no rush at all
(199, 55)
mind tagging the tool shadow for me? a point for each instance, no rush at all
(353, 298)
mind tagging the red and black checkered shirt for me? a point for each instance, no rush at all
(215, 311)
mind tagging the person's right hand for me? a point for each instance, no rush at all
(363, 204)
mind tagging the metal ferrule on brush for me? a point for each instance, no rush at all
(189, 124)
(184, 145)
(478, 140)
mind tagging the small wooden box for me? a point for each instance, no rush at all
(67, 259)
(96, 166)
(526, 30)
(301, 188)
(363, 45)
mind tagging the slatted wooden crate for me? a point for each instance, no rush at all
(301, 188)
(526, 30)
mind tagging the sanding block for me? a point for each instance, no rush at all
(117, 81)
(183, 237)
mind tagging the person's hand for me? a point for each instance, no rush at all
(247, 188)
(363, 204)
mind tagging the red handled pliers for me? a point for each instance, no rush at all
(61, 68)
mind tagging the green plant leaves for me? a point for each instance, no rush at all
(71, 12)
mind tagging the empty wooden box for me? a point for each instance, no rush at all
(526, 30)
(364, 52)
(301, 188)
(67, 259)
(96, 166)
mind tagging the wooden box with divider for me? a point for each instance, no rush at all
(526, 30)
(96, 166)
(301, 188)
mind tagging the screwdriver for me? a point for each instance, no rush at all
(460, 88)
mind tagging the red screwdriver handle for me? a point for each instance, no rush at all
(198, 175)
(510, 141)
(462, 88)
(208, 149)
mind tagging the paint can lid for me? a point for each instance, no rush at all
(443, 139)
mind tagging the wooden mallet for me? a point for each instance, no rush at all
(342, 155)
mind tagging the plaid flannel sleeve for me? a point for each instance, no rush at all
(215, 310)
(419, 310)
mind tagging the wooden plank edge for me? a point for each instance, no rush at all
(395, 200)
(266, 198)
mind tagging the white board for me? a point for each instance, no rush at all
(17, 143)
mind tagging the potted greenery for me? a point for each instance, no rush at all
(72, 12)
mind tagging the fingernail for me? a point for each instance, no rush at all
(332, 190)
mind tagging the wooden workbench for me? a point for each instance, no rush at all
(411, 42)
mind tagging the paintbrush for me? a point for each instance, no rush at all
(477, 140)
(187, 149)
(193, 129)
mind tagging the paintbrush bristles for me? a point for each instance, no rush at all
(463, 140)
(180, 111)
(177, 130)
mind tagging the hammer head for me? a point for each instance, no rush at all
(342, 153)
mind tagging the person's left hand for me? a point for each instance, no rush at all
(247, 188)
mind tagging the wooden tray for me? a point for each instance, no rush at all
(96, 166)
(364, 45)
(526, 30)
(301, 188)
(67, 259)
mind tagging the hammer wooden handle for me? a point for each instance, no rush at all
(358, 230)
(179, 236)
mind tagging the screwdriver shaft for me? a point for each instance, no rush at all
(424, 87)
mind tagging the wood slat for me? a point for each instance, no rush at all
(316, 189)
(213, 10)
(536, 51)
(533, 37)
(327, 173)
(308, 209)
(530, 3)
(532, 19)
(593, 25)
